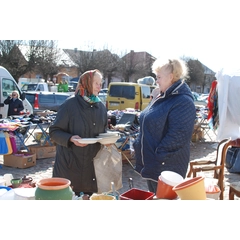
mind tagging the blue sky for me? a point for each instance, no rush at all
(205, 30)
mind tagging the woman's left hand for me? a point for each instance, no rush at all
(108, 145)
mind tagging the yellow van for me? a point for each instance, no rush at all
(122, 95)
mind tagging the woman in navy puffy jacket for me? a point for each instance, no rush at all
(166, 125)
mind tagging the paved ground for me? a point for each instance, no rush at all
(43, 169)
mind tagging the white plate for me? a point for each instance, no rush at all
(113, 132)
(109, 140)
(88, 140)
(101, 135)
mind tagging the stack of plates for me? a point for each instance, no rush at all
(108, 134)
(109, 137)
(88, 140)
(103, 138)
(109, 140)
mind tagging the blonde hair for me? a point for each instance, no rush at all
(177, 67)
(16, 92)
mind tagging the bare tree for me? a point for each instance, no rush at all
(12, 58)
(21, 57)
(107, 63)
(136, 65)
(196, 71)
(103, 60)
(46, 57)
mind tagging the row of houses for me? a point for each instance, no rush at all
(69, 62)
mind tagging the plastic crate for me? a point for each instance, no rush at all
(136, 194)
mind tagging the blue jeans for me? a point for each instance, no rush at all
(152, 186)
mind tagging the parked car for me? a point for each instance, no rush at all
(103, 97)
(41, 86)
(203, 97)
(104, 90)
(198, 100)
(41, 101)
(7, 85)
(123, 95)
(72, 86)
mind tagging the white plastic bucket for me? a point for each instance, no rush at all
(171, 178)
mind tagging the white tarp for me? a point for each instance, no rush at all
(228, 105)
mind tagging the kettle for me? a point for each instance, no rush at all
(26, 179)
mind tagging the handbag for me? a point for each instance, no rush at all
(108, 168)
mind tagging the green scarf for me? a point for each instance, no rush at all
(92, 99)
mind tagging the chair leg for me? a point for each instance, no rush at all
(189, 172)
(231, 194)
(221, 184)
(221, 194)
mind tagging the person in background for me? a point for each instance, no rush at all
(15, 104)
(166, 125)
(81, 116)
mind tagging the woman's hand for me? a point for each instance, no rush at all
(108, 145)
(73, 140)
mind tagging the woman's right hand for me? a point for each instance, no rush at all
(73, 140)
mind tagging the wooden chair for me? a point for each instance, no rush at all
(217, 165)
(234, 190)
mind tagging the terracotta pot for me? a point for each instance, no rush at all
(191, 189)
(54, 189)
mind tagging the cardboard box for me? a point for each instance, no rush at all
(198, 135)
(20, 159)
(39, 135)
(46, 151)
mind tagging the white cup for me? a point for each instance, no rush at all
(8, 177)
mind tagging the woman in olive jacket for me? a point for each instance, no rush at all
(81, 116)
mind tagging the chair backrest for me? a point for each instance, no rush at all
(226, 143)
(221, 152)
(220, 149)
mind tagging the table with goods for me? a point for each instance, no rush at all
(171, 186)
(123, 126)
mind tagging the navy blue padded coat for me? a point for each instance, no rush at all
(166, 128)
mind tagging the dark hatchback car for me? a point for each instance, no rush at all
(41, 101)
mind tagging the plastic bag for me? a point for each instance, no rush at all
(108, 168)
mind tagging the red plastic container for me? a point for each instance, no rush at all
(136, 194)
